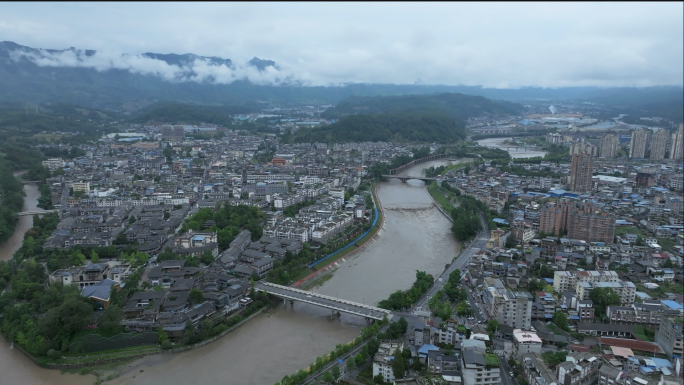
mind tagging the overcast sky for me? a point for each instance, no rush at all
(489, 44)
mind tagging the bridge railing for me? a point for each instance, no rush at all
(322, 296)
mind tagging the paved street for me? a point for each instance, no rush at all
(505, 370)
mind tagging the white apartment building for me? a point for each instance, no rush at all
(526, 342)
(625, 289)
(508, 308)
(80, 186)
(567, 280)
(382, 362)
(479, 367)
(53, 163)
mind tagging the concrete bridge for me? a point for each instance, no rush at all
(508, 148)
(412, 163)
(29, 181)
(332, 303)
(405, 178)
(39, 212)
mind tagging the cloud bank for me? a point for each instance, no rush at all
(502, 45)
(199, 70)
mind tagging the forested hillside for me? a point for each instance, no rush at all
(456, 106)
(416, 126)
(425, 118)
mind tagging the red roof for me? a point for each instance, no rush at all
(579, 348)
(632, 344)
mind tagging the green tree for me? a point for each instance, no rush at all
(336, 372)
(161, 336)
(602, 297)
(62, 322)
(328, 377)
(111, 319)
(207, 257)
(190, 333)
(94, 258)
(493, 326)
(131, 220)
(350, 364)
(561, 320)
(196, 296)
(358, 359)
(398, 365)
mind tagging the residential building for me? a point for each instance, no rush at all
(579, 368)
(536, 372)
(479, 367)
(80, 186)
(53, 163)
(646, 314)
(677, 148)
(637, 148)
(591, 224)
(669, 336)
(659, 144)
(382, 362)
(173, 133)
(609, 146)
(581, 172)
(584, 221)
(625, 289)
(526, 341)
(509, 308)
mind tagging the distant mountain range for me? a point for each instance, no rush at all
(96, 79)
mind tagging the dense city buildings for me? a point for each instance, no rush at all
(558, 229)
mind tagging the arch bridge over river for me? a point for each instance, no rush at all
(412, 163)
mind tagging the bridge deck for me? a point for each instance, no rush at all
(405, 178)
(333, 303)
(39, 212)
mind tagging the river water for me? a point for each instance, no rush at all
(25, 223)
(415, 236)
(515, 152)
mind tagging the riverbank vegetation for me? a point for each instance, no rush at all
(11, 201)
(369, 339)
(404, 299)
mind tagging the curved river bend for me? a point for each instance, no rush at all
(415, 236)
